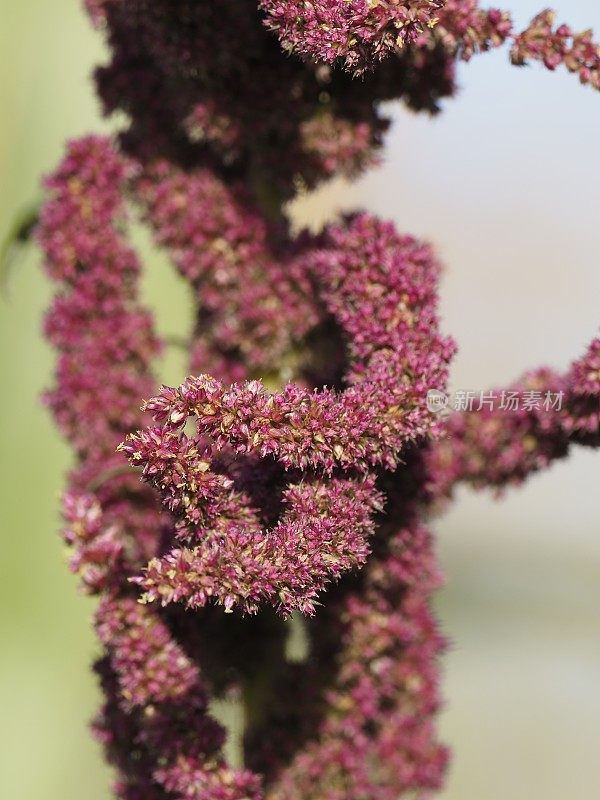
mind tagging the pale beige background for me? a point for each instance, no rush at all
(505, 184)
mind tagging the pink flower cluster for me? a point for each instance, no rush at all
(106, 342)
(496, 447)
(253, 109)
(157, 703)
(380, 289)
(254, 298)
(578, 52)
(358, 34)
(292, 472)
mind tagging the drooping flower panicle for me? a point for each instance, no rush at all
(291, 472)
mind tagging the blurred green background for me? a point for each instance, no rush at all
(505, 183)
(46, 690)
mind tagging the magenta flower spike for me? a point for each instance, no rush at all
(293, 472)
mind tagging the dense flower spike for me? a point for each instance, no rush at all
(466, 29)
(105, 337)
(578, 52)
(290, 474)
(582, 421)
(360, 33)
(251, 112)
(380, 289)
(97, 548)
(156, 691)
(114, 525)
(375, 736)
(149, 666)
(535, 422)
(495, 446)
(253, 303)
(106, 344)
(356, 33)
(323, 532)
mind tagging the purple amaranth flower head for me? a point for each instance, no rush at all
(582, 407)
(104, 336)
(292, 471)
(357, 33)
(156, 698)
(380, 288)
(254, 300)
(578, 52)
(374, 737)
(501, 445)
(250, 111)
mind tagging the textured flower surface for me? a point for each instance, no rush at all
(541, 41)
(356, 32)
(359, 34)
(294, 471)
